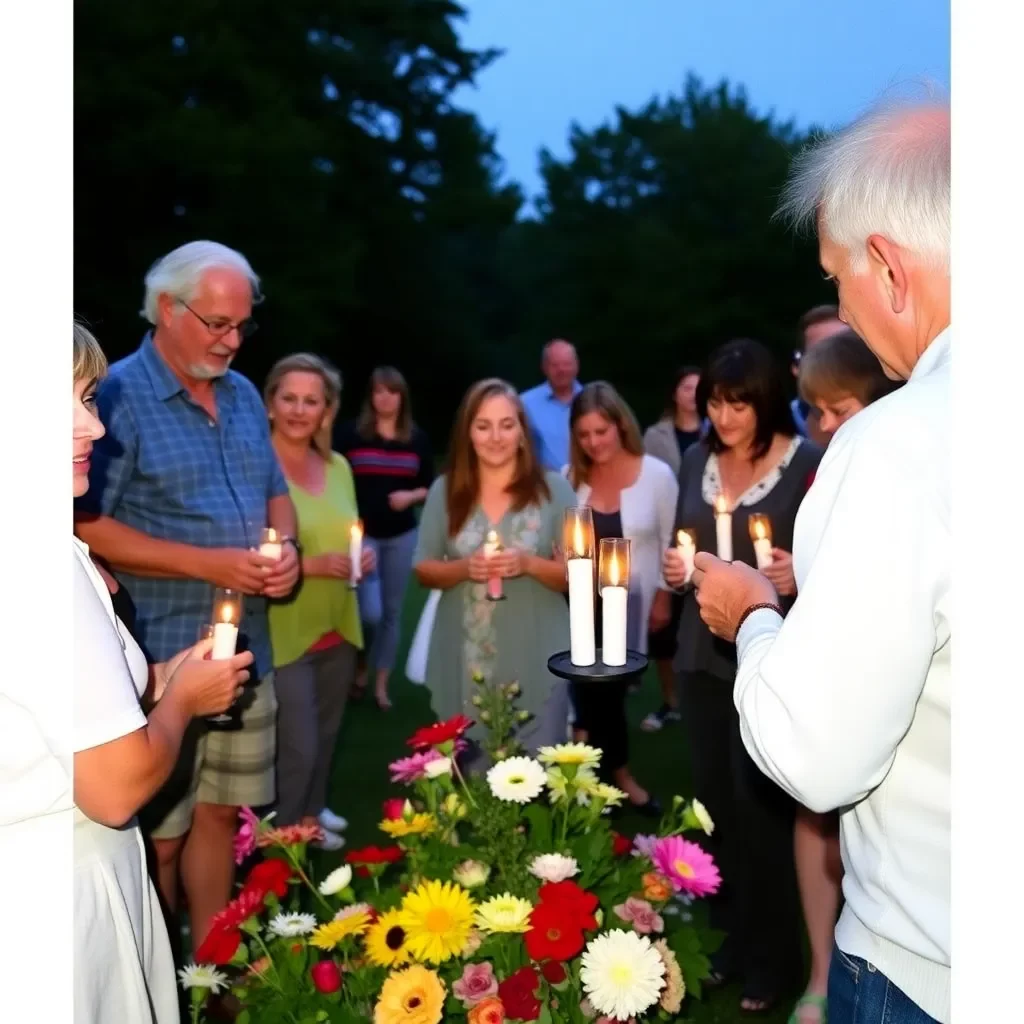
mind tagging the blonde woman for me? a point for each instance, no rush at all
(632, 495)
(317, 634)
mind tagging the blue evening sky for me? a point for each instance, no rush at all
(816, 61)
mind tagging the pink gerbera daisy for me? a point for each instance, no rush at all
(410, 769)
(686, 866)
(245, 837)
(289, 835)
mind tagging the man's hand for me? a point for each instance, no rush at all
(284, 573)
(725, 590)
(241, 570)
(780, 573)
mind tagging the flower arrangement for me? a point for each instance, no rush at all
(501, 897)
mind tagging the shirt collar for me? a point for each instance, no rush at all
(165, 384)
(549, 391)
(934, 356)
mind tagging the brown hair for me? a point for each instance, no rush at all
(462, 481)
(88, 362)
(600, 397)
(843, 365)
(306, 362)
(392, 380)
(817, 315)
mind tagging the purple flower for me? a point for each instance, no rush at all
(643, 846)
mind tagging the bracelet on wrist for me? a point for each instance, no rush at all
(767, 605)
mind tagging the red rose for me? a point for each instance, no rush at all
(553, 934)
(269, 876)
(326, 976)
(621, 845)
(439, 732)
(575, 903)
(393, 809)
(248, 904)
(219, 946)
(518, 994)
(554, 972)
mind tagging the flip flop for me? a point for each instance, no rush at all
(820, 1003)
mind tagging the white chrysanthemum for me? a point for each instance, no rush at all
(517, 780)
(622, 974)
(438, 767)
(289, 926)
(201, 976)
(611, 796)
(338, 879)
(471, 874)
(580, 754)
(700, 812)
(558, 784)
(553, 867)
(505, 913)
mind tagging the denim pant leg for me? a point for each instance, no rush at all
(369, 591)
(394, 567)
(859, 993)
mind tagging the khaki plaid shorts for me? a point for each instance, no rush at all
(231, 765)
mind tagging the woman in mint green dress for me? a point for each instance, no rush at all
(495, 484)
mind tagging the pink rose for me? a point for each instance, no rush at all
(477, 983)
(641, 915)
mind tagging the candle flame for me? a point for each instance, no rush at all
(759, 530)
(492, 537)
(227, 612)
(613, 571)
(356, 532)
(271, 535)
(721, 505)
(577, 539)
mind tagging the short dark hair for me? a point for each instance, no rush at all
(744, 370)
(843, 365)
(681, 374)
(817, 315)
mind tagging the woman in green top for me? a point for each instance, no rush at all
(317, 633)
(494, 483)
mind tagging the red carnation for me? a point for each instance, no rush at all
(439, 732)
(219, 946)
(621, 845)
(575, 903)
(518, 995)
(326, 976)
(553, 934)
(393, 809)
(248, 904)
(372, 855)
(554, 972)
(269, 876)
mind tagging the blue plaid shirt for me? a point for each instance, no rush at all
(168, 470)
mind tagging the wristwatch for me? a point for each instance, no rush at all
(294, 543)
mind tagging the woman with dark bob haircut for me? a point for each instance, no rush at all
(750, 461)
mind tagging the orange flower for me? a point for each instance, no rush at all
(488, 1011)
(656, 888)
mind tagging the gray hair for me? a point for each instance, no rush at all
(179, 272)
(887, 174)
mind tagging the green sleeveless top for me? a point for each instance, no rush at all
(322, 605)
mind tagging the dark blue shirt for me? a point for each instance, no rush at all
(167, 469)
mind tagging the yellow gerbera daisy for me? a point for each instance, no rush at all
(437, 918)
(411, 996)
(385, 941)
(417, 825)
(570, 753)
(505, 913)
(327, 936)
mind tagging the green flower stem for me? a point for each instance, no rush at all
(461, 778)
(296, 863)
(273, 966)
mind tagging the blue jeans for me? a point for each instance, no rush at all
(859, 993)
(382, 593)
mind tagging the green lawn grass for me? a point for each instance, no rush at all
(370, 739)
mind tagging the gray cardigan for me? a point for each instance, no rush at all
(660, 441)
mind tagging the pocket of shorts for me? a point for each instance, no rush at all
(849, 964)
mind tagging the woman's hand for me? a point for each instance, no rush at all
(208, 687)
(509, 563)
(332, 566)
(780, 573)
(479, 566)
(672, 568)
(162, 671)
(661, 611)
(399, 501)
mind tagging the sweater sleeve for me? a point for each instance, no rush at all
(666, 498)
(826, 696)
(433, 532)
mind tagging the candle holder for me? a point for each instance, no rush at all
(270, 544)
(686, 545)
(578, 545)
(493, 546)
(355, 553)
(561, 665)
(760, 527)
(613, 586)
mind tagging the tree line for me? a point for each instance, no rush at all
(321, 138)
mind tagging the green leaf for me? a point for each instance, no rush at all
(538, 817)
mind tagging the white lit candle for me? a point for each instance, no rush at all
(355, 552)
(579, 564)
(686, 545)
(614, 576)
(492, 547)
(761, 535)
(723, 528)
(226, 618)
(270, 545)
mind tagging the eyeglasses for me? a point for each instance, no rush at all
(219, 327)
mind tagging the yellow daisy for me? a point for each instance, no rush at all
(417, 825)
(327, 936)
(505, 913)
(437, 918)
(579, 754)
(385, 941)
(411, 996)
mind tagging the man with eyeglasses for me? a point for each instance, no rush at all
(181, 489)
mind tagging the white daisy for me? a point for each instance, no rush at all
(338, 879)
(517, 780)
(288, 926)
(553, 867)
(435, 769)
(622, 974)
(201, 976)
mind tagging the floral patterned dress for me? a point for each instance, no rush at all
(508, 640)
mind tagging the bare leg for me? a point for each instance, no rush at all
(814, 842)
(625, 781)
(168, 859)
(667, 681)
(208, 865)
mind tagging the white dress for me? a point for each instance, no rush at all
(124, 971)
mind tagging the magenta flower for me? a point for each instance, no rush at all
(245, 837)
(686, 866)
(409, 769)
(476, 984)
(641, 915)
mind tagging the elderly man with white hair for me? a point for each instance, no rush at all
(181, 489)
(845, 703)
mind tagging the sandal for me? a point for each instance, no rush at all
(807, 1001)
